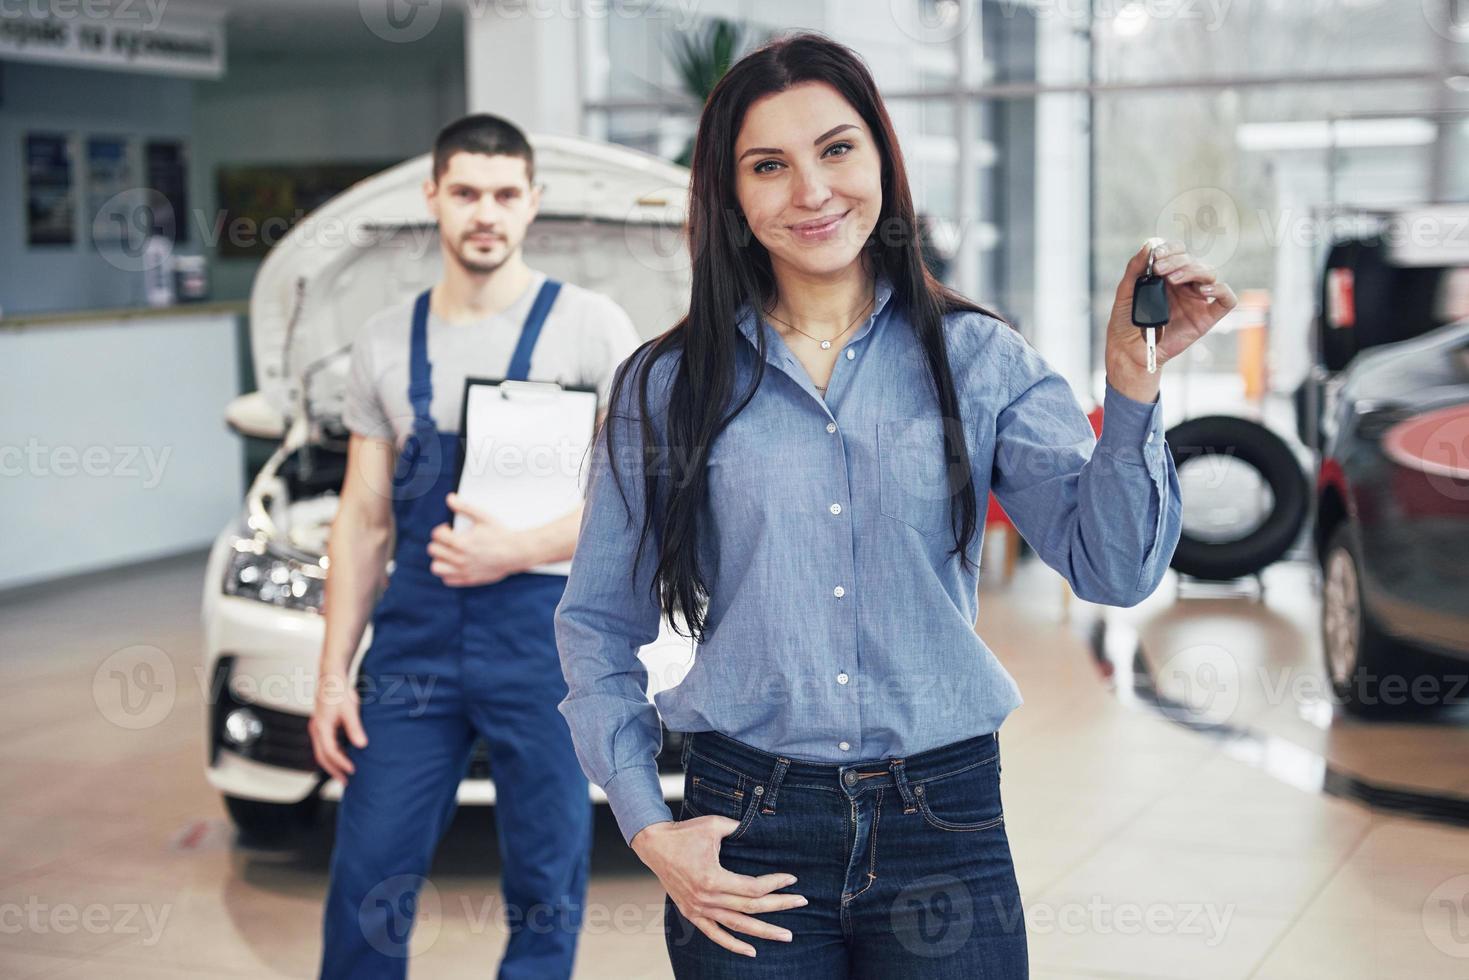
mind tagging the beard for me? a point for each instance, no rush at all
(472, 260)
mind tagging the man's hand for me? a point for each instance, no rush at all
(335, 707)
(685, 857)
(486, 552)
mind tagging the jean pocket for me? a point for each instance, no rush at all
(917, 476)
(963, 801)
(710, 789)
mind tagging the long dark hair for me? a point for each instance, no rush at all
(731, 268)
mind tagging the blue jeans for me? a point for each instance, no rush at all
(904, 863)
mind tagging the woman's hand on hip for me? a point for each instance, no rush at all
(1197, 299)
(685, 857)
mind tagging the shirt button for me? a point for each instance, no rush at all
(838, 591)
(851, 353)
(831, 427)
(842, 678)
(844, 747)
(1150, 437)
(836, 508)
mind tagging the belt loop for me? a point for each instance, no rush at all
(900, 776)
(683, 753)
(777, 776)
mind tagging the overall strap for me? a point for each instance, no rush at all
(420, 383)
(520, 362)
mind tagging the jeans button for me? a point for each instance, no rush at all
(850, 778)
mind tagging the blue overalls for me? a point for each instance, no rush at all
(447, 664)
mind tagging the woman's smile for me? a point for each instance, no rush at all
(819, 229)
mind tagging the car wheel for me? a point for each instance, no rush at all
(1234, 551)
(1359, 656)
(270, 825)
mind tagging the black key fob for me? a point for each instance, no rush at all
(1150, 300)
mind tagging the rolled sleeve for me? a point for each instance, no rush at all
(1102, 511)
(606, 614)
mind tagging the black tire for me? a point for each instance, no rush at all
(1357, 654)
(1252, 444)
(271, 825)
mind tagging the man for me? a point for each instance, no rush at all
(463, 638)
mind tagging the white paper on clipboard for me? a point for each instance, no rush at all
(524, 453)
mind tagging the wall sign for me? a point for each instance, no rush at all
(141, 43)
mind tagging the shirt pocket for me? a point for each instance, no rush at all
(917, 478)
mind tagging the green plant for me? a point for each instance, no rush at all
(701, 59)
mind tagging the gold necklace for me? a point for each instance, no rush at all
(825, 344)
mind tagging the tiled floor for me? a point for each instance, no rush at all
(1144, 849)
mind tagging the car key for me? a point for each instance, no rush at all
(1150, 309)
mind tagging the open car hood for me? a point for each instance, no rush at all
(611, 220)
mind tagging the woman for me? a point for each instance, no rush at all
(799, 467)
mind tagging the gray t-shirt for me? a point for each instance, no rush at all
(585, 337)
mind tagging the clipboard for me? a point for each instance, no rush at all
(528, 468)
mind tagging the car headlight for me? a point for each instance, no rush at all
(256, 571)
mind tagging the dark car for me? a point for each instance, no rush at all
(1392, 522)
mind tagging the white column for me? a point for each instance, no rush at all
(1062, 324)
(967, 48)
(522, 63)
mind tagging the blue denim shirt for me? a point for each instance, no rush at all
(839, 628)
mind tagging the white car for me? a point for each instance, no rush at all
(611, 220)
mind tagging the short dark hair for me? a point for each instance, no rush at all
(482, 133)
